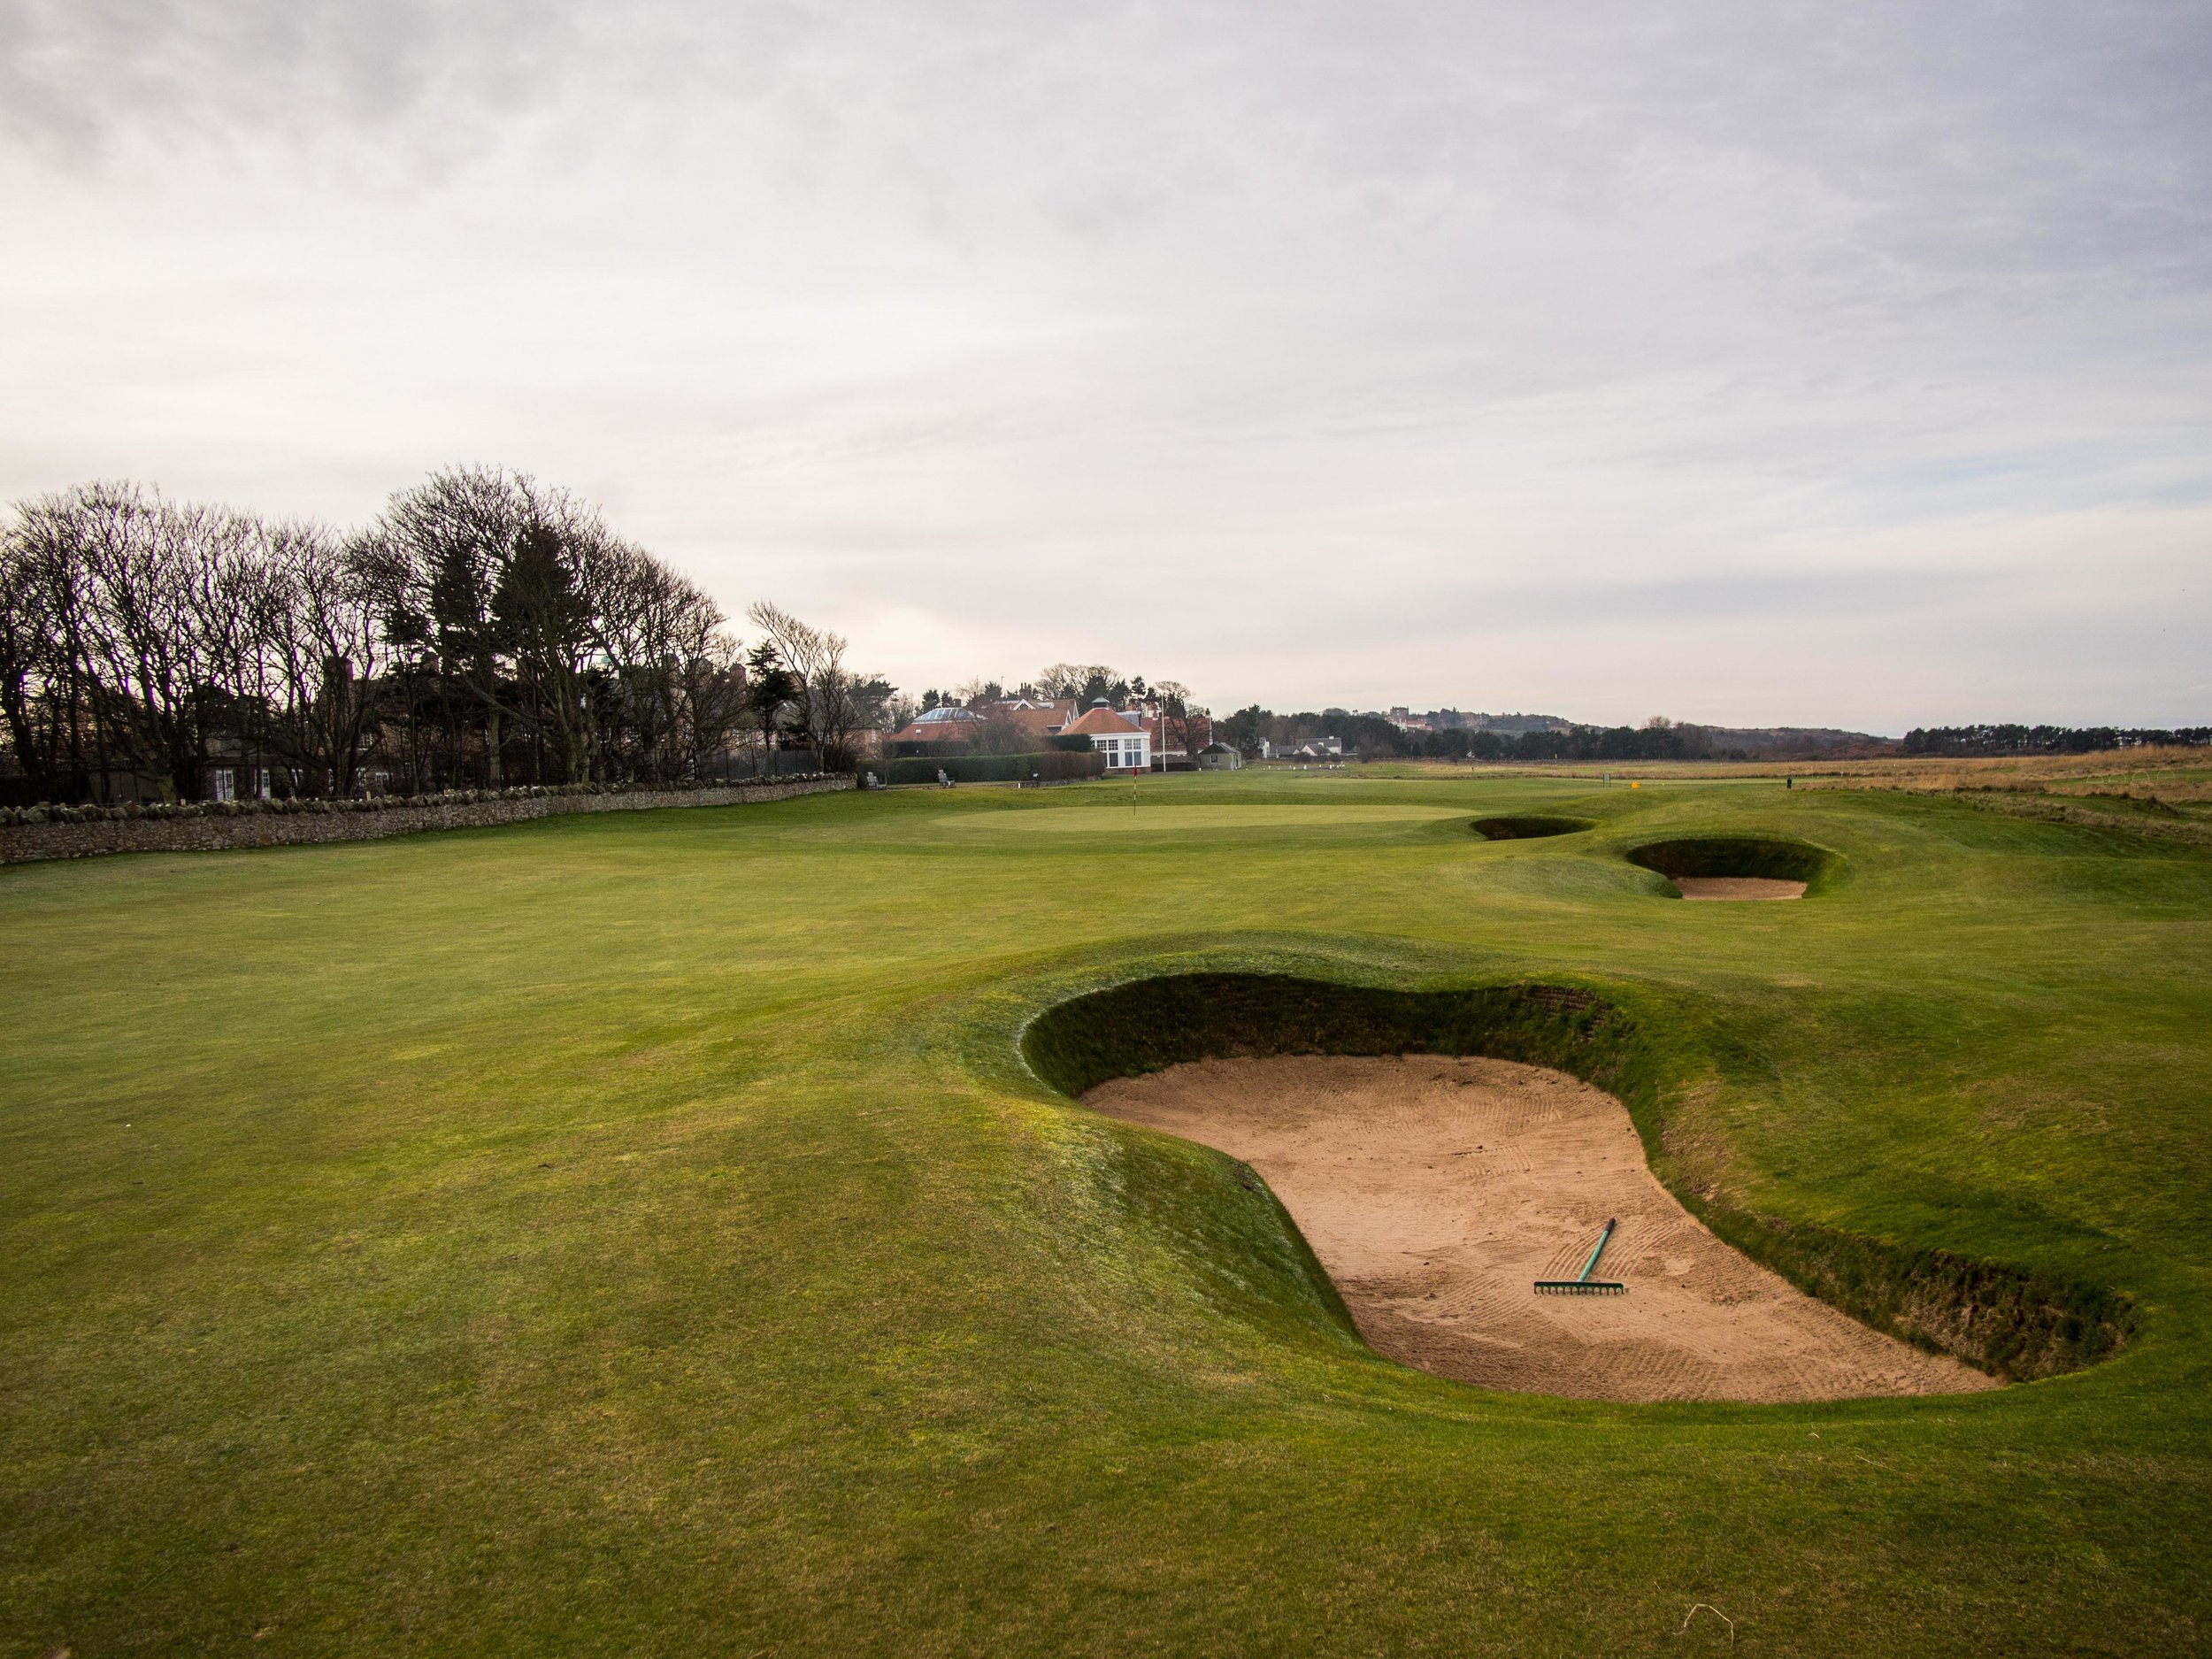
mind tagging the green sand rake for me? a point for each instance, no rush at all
(1582, 1283)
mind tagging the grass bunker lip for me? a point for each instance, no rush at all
(1750, 861)
(2010, 1322)
(1529, 828)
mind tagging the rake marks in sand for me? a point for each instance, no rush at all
(1436, 1190)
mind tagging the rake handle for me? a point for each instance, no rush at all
(1597, 1249)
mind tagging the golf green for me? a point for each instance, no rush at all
(643, 1234)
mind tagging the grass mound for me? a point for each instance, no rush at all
(1529, 828)
(2008, 1321)
(1769, 858)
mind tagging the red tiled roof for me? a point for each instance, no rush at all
(1047, 719)
(934, 731)
(1100, 723)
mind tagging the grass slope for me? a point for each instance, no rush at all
(641, 1234)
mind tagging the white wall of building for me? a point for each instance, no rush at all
(1131, 750)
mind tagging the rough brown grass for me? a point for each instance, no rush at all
(2120, 770)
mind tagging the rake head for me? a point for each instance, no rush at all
(1582, 1283)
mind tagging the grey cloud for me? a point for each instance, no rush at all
(1469, 318)
(1973, 136)
(77, 76)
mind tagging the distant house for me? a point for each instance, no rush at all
(1043, 716)
(1318, 749)
(950, 726)
(947, 727)
(1133, 739)
(1219, 757)
(1120, 737)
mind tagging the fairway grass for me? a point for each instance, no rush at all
(643, 1235)
(1149, 810)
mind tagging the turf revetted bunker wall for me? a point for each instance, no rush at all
(1529, 828)
(1771, 857)
(1148, 1024)
(2004, 1320)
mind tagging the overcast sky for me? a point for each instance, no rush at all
(1754, 363)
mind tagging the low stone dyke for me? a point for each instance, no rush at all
(80, 832)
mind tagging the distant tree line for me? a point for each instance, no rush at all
(2045, 739)
(1373, 737)
(1657, 739)
(485, 631)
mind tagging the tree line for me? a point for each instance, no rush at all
(484, 631)
(1375, 737)
(2045, 739)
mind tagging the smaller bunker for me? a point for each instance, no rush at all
(1739, 866)
(1523, 829)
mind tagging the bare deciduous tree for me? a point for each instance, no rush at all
(40, 695)
(1184, 723)
(483, 628)
(321, 631)
(837, 705)
(1078, 679)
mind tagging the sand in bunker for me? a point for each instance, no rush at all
(1436, 1190)
(1736, 888)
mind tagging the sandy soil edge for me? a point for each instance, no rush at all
(1738, 888)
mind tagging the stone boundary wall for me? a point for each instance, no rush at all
(254, 824)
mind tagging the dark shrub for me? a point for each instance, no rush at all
(1047, 766)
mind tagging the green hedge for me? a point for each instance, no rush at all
(1047, 766)
(2005, 1320)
